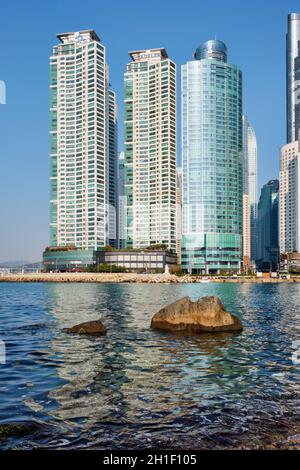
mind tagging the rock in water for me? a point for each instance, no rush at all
(20, 429)
(207, 314)
(94, 327)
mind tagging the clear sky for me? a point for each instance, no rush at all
(253, 31)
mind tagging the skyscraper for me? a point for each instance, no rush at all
(121, 201)
(212, 161)
(112, 168)
(289, 179)
(150, 149)
(293, 76)
(179, 215)
(246, 232)
(289, 199)
(83, 146)
(268, 237)
(250, 181)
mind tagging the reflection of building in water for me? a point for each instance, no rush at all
(94, 370)
(113, 377)
(134, 374)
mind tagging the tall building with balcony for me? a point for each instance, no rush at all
(268, 222)
(212, 161)
(112, 168)
(83, 150)
(289, 198)
(179, 215)
(293, 76)
(289, 179)
(150, 149)
(121, 201)
(250, 183)
(246, 233)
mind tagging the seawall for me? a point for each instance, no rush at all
(131, 278)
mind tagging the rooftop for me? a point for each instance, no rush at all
(294, 16)
(212, 49)
(72, 36)
(148, 54)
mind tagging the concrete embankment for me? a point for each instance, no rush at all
(130, 277)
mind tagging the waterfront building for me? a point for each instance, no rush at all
(112, 168)
(121, 201)
(83, 147)
(143, 260)
(290, 262)
(289, 198)
(150, 149)
(212, 162)
(250, 182)
(246, 233)
(293, 76)
(179, 215)
(268, 221)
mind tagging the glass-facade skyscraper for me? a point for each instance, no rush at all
(83, 137)
(121, 201)
(250, 181)
(293, 76)
(268, 224)
(289, 188)
(150, 149)
(212, 161)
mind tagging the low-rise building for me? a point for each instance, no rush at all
(138, 260)
(290, 262)
(68, 259)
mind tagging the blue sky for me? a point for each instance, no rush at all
(255, 37)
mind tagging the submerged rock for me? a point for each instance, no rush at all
(17, 429)
(94, 327)
(207, 314)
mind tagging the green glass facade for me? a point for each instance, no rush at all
(68, 260)
(268, 227)
(212, 162)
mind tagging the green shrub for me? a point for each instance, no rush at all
(106, 268)
(159, 246)
(109, 248)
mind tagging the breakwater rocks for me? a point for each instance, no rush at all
(205, 315)
(92, 277)
(132, 277)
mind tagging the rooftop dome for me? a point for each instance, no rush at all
(294, 16)
(212, 49)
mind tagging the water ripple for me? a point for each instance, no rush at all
(137, 388)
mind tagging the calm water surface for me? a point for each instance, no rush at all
(136, 387)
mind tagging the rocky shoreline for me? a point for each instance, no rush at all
(132, 278)
(282, 437)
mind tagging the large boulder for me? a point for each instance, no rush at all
(207, 314)
(95, 328)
